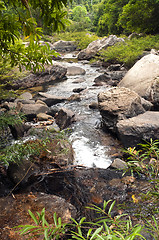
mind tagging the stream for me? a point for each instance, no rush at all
(68, 190)
(86, 132)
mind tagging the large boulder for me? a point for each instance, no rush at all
(97, 45)
(51, 73)
(143, 78)
(34, 108)
(142, 127)
(65, 46)
(117, 104)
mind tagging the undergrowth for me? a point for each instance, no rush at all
(130, 51)
(106, 227)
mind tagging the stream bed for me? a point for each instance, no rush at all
(89, 180)
(86, 134)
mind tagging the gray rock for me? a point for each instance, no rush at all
(18, 130)
(34, 109)
(97, 45)
(51, 73)
(73, 70)
(143, 78)
(117, 104)
(26, 96)
(119, 164)
(105, 77)
(78, 90)
(50, 99)
(65, 46)
(64, 118)
(142, 127)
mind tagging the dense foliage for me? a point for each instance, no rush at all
(130, 51)
(121, 16)
(16, 21)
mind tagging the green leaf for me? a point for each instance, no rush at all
(110, 208)
(33, 217)
(98, 230)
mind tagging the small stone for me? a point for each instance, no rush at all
(26, 96)
(43, 116)
(40, 102)
(119, 164)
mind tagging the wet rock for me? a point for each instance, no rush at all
(65, 46)
(79, 80)
(64, 118)
(23, 172)
(74, 97)
(97, 45)
(93, 105)
(73, 70)
(14, 212)
(114, 67)
(78, 90)
(51, 73)
(43, 117)
(18, 130)
(50, 99)
(53, 111)
(117, 104)
(142, 127)
(110, 78)
(143, 78)
(103, 78)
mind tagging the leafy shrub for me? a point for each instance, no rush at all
(145, 160)
(43, 228)
(106, 227)
(17, 152)
(130, 51)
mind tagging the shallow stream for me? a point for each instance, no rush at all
(86, 133)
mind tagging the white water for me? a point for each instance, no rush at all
(85, 137)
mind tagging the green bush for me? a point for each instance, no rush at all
(130, 51)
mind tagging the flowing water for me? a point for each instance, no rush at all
(86, 133)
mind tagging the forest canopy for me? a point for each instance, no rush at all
(122, 16)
